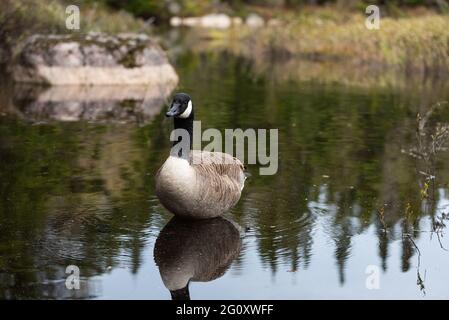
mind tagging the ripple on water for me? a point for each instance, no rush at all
(91, 237)
(276, 240)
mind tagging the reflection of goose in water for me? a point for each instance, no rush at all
(195, 251)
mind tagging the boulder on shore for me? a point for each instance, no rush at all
(254, 21)
(94, 59)
(210, 21)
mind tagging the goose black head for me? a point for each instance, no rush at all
(181, 106)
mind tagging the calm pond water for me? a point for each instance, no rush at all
(358, 192)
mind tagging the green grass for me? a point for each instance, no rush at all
(19, 19)
(415, 43)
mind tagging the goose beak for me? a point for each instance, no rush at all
(174, 110)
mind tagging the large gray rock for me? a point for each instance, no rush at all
(212, 21)
(254, 21)
(95, 58)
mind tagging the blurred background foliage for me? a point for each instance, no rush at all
(332, 28)
(165, 8)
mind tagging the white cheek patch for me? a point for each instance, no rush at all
(187, 111)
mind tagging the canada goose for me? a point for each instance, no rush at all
(193, 183)
(198, 251)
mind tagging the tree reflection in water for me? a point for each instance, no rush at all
(82, 192)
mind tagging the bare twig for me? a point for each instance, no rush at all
(419, 279)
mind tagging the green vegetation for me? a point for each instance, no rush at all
(413, 43)
(19, 19)
(324, 42)
(413, 35)
(161, 10)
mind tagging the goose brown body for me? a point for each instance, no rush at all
(192, 183)
(205, 186)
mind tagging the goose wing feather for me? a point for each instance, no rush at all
(224, 175)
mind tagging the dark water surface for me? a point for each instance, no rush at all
(357, 191)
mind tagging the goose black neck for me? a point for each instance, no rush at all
(186, 124)
(181, 294)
